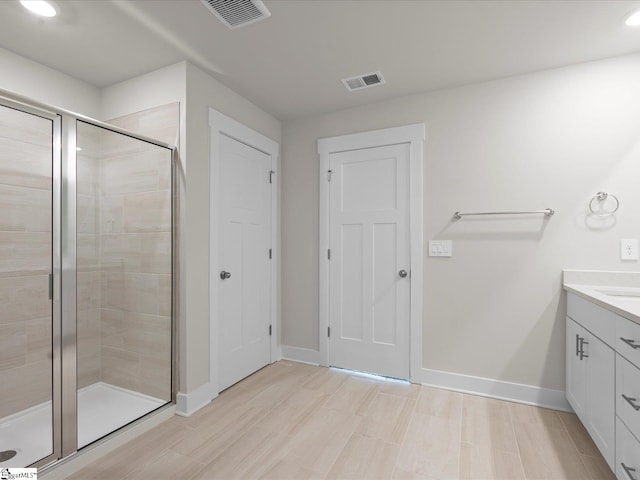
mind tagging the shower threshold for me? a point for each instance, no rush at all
(102, 408)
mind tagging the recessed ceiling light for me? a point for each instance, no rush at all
(40, 7)
(633, 19)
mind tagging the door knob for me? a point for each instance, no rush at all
(224, 275)
(402, 273)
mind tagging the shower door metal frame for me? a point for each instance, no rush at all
(56, 372)
(64, 248)
(69, 337)
(69, 389)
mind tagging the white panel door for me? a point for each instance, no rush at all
(245, 276)
(369, 266)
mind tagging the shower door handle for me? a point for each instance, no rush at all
(224, 275)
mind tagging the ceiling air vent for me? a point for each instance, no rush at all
(363, 81)
(237, 13)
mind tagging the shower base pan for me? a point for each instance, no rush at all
(102, 408)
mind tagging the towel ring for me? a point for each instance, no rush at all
(601, 197)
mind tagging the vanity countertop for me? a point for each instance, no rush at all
(618, 292)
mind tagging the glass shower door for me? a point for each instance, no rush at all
(86, 282)
(124, 279)
(26, 306)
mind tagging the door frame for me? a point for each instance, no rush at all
(221, 124)
(413, 135)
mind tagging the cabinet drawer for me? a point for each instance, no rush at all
(599, 321)
(628, 395)
(628, 340)
(627, 454)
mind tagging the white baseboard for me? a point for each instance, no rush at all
(276, 354)
(301, 355)
(486, 387)
(189, 403)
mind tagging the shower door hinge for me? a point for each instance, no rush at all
(271, 172)
(270, 254)
(329, 332)
(51, 286)
(269, 330)
(328, 254)
(329, 173)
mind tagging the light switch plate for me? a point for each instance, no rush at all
(440, 248)
(629, 249)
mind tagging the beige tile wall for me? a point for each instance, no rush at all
(89, 289)
(126, 230)
(123, 257)
(136, 258)
(25, 260)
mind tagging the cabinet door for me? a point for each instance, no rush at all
(575, 369)
(600, 395)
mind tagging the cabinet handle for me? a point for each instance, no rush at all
(631, 401)
(628, 470)
(632, 343)
(577, 343)
(582, 344)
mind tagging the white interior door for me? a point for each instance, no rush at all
(369, 267)
(243, 256)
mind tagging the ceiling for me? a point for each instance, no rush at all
(291, 63)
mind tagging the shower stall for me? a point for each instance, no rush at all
(86, 281)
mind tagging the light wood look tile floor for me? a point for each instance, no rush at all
(294, 421)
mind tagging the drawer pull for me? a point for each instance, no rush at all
(583, 342)
(631, 401)
(632, 343)
(628, 470)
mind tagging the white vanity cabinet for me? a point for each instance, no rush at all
(591, 384)
(603, 380)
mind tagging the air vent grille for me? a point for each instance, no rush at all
(363, 81)
(354, 83)
(237, 13)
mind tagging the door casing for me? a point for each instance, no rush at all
(219, 125)
(413, 135)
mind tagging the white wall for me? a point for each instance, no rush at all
(550, 139)
(43, 84)
(160, 87)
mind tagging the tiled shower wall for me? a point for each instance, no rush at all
(131, 289)
(25, 260)
(88, 264)
(123, 257)
(136, 266)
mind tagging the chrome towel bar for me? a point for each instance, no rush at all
(547, 213)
